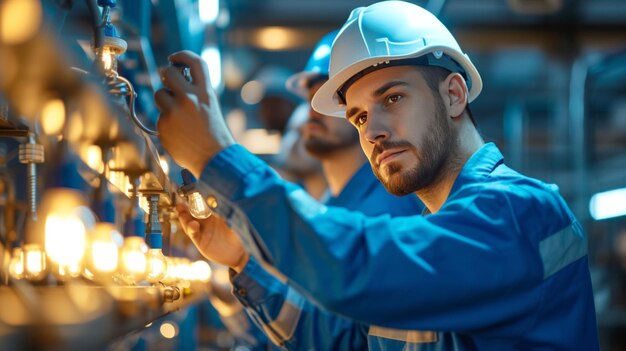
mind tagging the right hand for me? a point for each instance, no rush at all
(191, 126)
(214, 239)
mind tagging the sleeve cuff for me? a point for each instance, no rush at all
(227, 170)
(254, 284)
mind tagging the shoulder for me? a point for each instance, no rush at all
(531, 205)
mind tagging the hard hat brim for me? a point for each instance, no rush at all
(297, 83)
(326, 101)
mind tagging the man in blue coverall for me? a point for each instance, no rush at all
(353, 186)
(497, 262)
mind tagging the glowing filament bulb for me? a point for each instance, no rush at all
(133, 263)
(201, 271)
(104, 256)
(104, 251)
(157, 265)
(16, 265)
(34, 262)
(198, 206)
(65, 238)
(170, 271)
(109, 60)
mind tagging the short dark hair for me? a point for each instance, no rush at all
(433, 76)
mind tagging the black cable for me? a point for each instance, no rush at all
(98, 31)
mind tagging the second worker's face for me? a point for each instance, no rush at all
(403, 126)
(324, 135)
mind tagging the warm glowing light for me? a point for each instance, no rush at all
(608, 204)
(184, 271)
(53, 117)
(92, 155)
(109, 60)
(168, 330)
(252, 92)
(75, 127)
(104, 256)
(211, 55)
(16, 264)
(165, 166)
(65, 221)
(171, 275)
(157, 266)
(198, 206)
(19, 20)
(104, 248)
(209, 10)
(119, 180)
(276, 38)
(65, 238)
(34, 262)
(144, 204)
(221, 275)
(69, 270)
(201, 271)
(133, 263)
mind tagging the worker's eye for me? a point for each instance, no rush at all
(392, 99)
(360, 120)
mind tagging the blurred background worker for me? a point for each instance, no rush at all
(294, 162)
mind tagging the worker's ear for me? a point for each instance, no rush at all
(454, 93)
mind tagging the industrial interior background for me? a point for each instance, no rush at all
(554, 100)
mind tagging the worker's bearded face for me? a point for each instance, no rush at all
(404, 128)
(429, 157)
(325, 135)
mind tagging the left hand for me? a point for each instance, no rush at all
(214, 239)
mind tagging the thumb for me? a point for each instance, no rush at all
(193, 229)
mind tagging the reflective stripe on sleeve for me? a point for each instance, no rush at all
(412, 336)
(283, 327)
(562, 248)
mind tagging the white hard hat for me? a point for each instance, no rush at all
(385, 34)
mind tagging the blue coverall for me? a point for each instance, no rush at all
(501, 266)
(288, 317)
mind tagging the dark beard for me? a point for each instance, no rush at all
(434, 153)
(320, 147)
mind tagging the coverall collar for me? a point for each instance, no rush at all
(477, 168)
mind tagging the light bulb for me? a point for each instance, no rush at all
(103, 251)
(198, 206)
(65, 238)
(157, 266)
(201, 271)
(65, 225)
(53, 117)
(133, 263)
(68, 270)
(184, 271)
(108, 57)
(170, 270)
(35, 268)
(16, 264)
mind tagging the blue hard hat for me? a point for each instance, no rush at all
(318, 65)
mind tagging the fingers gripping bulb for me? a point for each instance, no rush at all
(198, 206)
